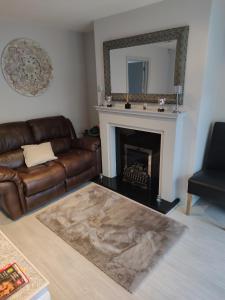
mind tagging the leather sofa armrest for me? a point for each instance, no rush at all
(87, 143)
(7, 174)
(10, 175)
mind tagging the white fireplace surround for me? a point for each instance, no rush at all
(168, 124)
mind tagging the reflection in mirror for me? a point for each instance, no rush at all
(137, 75)
(144, 69)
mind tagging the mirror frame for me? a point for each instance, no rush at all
(180, 34)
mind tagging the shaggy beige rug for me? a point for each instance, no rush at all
(121, 237)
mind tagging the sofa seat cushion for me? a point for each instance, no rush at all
(42, 177)
(76, 161)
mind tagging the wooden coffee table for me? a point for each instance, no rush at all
(37, 288)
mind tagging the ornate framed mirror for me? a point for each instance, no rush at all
(147, 66)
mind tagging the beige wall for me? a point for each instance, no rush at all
(213, 100)
(91, 77)
(66, 94)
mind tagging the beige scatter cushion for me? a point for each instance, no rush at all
(38, 154)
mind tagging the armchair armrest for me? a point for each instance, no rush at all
(87, 143)
(10, 175)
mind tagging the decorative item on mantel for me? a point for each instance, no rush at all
(26, 67)
(109, 101)
(145, 106)
(162, 102)
(127, 104)
(178, 90)
(101, 97)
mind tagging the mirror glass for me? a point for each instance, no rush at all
(144, 69)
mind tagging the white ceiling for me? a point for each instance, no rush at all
(71, 14)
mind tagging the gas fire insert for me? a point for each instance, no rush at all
(137, 167)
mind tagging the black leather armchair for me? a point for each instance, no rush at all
(210, 181)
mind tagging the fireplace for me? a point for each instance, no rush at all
(138, 158)
(159, 137)
(137, 161)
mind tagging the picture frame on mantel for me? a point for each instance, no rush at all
(180, 34)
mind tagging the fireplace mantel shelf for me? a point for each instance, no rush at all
(139, 112)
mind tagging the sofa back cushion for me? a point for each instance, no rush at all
(12, 137)
(57, 130)
(61, 145)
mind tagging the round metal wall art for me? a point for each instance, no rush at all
(26, 67)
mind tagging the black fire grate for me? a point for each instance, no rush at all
(137, 174)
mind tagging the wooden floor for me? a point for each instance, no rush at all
(194, 269)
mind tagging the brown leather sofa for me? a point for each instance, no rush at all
(21, 188)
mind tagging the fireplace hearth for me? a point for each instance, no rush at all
(136, 193)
